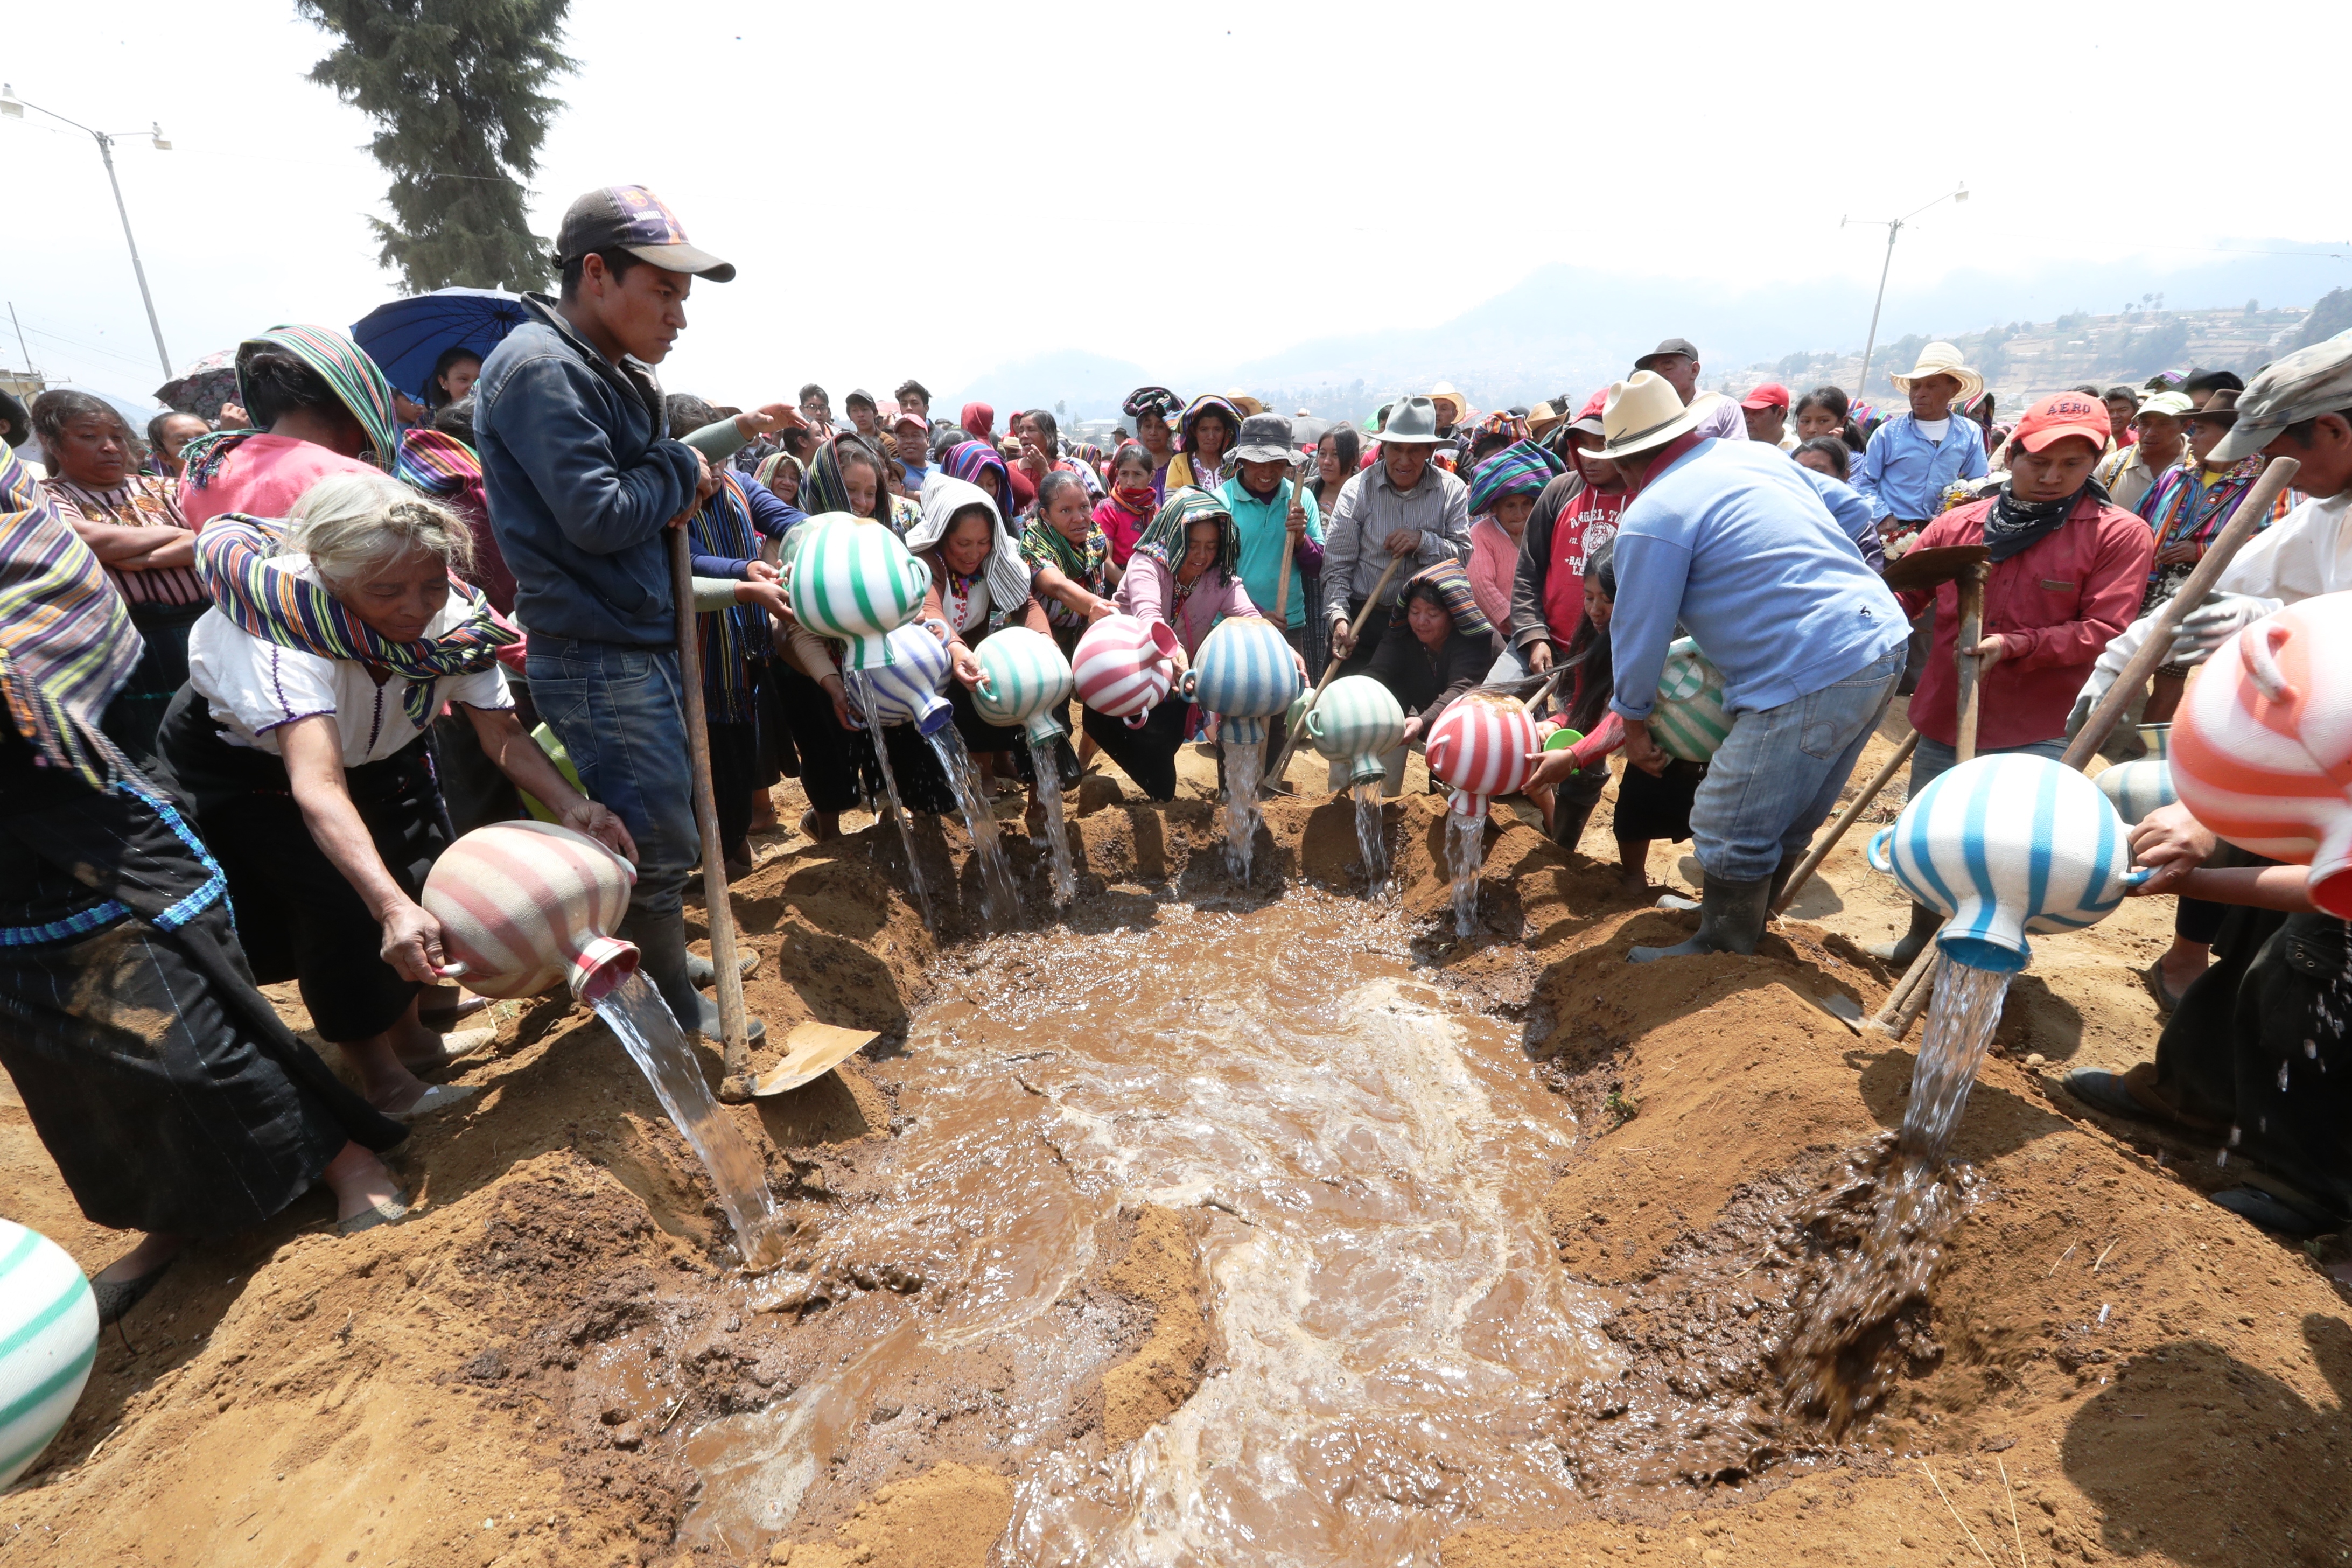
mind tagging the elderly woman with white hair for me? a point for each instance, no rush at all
(298, 741)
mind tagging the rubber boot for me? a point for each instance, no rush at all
(1901, 952)
(1788, 869)
(661, 958)
(1568, 818)
(1730, 920)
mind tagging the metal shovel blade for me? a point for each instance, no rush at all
(811, 1051)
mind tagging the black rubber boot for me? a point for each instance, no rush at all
(1901, 952)
(1730, 920)
(662, 959)
(1788, 869)
(1568, 818)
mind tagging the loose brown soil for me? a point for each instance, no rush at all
(2110, 1366)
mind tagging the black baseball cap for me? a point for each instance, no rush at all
(631, 218)
(1682, 346)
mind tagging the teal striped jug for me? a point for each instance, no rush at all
(1689, 722)
(853, 581)
(48, 1338)
(1356, 721)
(1024, 681)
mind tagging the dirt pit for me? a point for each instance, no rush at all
(1220, 1224)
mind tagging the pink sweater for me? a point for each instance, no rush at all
(1148, 588)
(264, 476)
(1494, 560)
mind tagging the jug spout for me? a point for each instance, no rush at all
(1983, 935)
(603, 963)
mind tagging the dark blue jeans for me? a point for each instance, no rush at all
(619, 711)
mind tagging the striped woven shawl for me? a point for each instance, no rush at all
(67, 644)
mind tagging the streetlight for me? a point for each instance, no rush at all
(1894, 227)
(14, 108)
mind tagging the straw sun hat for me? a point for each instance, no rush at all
(1643, 411)
(1941, 359)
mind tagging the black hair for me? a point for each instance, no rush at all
(2091, 389)
(277, 383)
(618, 264)
(434, 391)
(2213, 380)
(910, 387)
(944, 441)
(1425, 589)
(800, 443)
(1142, 455)
(1053, 484)
(457, 419)
(687, 413)
(814, 390)
(1351, 451)
(1840, 455)
(1049, 430)
(155, 425)
(2127, 393)
(1833, 398)
(1588, 650)
(858, 395)
(60, 407)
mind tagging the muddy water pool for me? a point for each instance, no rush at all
(1364, 1159)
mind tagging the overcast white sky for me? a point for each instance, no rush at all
(1186, 185)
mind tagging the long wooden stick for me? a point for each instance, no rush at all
(734, 1029)
(1290, 742)
(2253, 508)
(1971, 671)
(1846, 818)
(1912, 992)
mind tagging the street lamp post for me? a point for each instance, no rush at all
(14, 107)
(1894, 227)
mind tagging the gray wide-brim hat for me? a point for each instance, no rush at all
(1265, 438)
(2306, 383)
(1412, 420)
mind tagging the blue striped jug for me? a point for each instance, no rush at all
(1243, 675)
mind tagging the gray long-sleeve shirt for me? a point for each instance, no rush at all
(1368, 509)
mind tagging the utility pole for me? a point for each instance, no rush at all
(1894, 227)
(14, 108)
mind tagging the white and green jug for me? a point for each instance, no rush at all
(853, 580)
(1356, 721)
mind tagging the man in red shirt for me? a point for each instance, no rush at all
(2068, 570)
(1575, 515)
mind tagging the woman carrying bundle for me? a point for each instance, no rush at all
(298, 741)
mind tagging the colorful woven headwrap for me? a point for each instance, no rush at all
(1452, 584)
(67, 644)
(1164, 537)
(773, 463)
(274, 605)
(1521, 469)
(824, 488)
(1156, 400)
(1203, 405)
(969, 461)
(344, 367)
(437, 463)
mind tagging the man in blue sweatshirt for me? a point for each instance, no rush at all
(582, 486)
(1761, 563)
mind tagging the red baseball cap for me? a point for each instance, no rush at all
(2062, 415)
(1587, 418)
(1771, 394)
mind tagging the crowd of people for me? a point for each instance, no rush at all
(275, 660)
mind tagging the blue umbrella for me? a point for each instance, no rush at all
(406, 337)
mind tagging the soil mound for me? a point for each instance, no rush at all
(2108, 1365)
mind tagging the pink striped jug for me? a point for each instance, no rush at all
(2262, 745)
(1483, 746)
(525, 906)
(1124, 665)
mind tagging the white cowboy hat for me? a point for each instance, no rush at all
(1941, 359)
(1444, 391)
(1643, 411)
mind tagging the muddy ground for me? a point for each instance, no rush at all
(2111, 1366)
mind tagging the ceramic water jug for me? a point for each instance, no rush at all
(1357, 720)
(906, 690)
(48, 1338)
(853, 581)
(526, 906)
(1244, 675)
(1689, 722)
(1483, 745)
(1123, 666)
(2262, 745)
(1024, 681)
(2006, 844)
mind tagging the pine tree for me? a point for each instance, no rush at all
(457, 87)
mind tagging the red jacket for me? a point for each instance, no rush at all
(2065, 595)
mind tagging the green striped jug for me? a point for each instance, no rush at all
(48, 1338)
(853, 581)
(1689, 722)
(1023, 681)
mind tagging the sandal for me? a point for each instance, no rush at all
(2133, 1096)
(2165, 1000)
(437, 1097)
(809, 828)
(454, 1048)
(390, 1211)
(2277, 1211)
(116, 1296)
